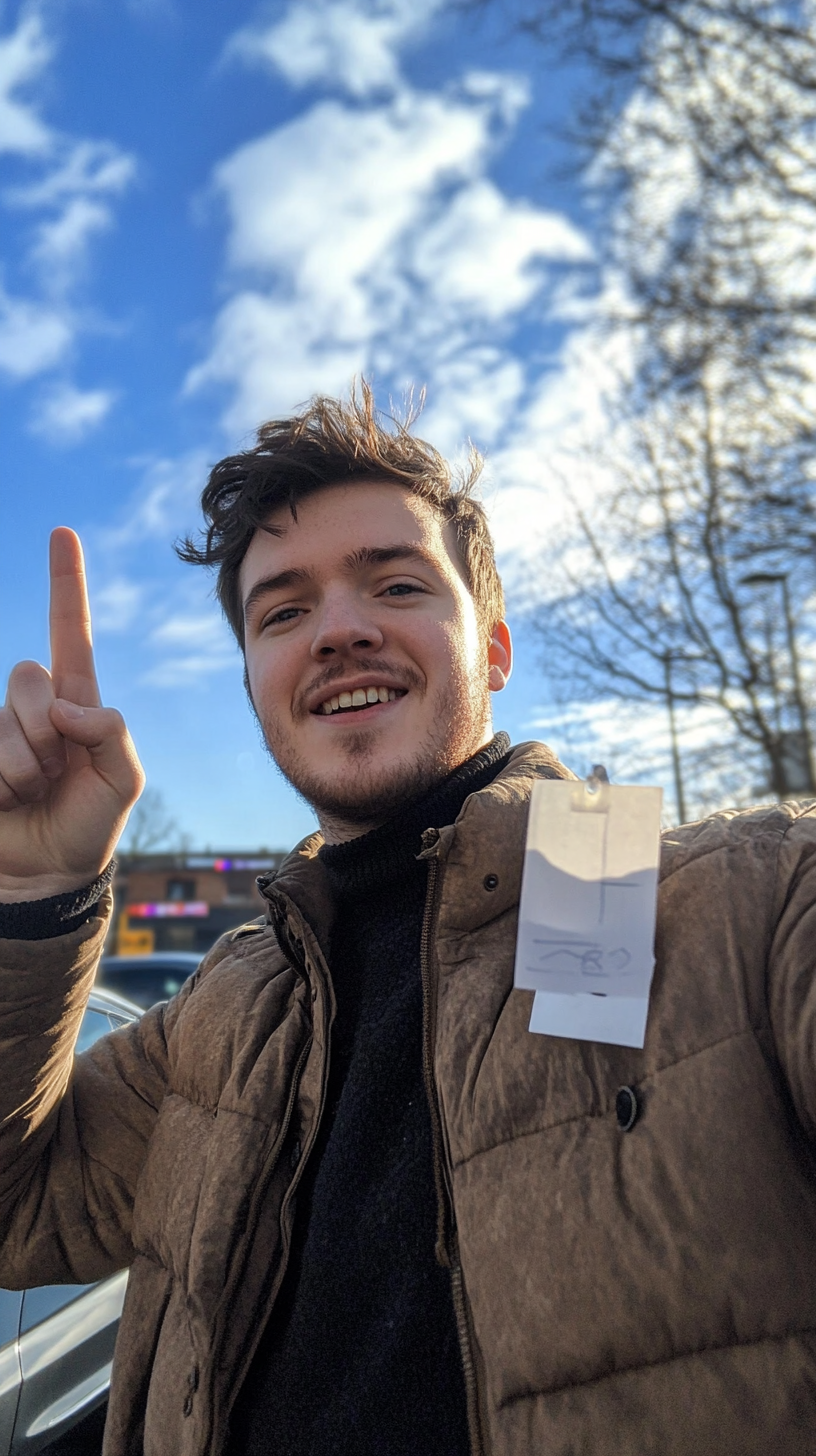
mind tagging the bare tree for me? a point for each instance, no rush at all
(151, 826)
(691, 583)
(671, 593)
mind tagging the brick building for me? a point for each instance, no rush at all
(183, 902)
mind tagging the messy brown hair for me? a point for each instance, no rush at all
(332, 442)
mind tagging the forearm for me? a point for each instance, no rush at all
(44, 987)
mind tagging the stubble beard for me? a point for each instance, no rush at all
(364, 795)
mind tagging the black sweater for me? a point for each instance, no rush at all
(361, 1355)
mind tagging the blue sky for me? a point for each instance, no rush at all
(208, 213)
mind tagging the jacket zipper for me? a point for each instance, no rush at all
(272, 1163)
(447, 1246)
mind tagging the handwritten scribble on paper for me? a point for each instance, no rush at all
(585, 948)
(579, 963)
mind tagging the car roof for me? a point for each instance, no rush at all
(104, 1000)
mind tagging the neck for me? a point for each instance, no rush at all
(388, 853)
(340, 831)
(337, 830)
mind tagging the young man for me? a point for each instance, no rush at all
(364, 1208)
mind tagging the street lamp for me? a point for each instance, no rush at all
(797, 762)
(675, 746)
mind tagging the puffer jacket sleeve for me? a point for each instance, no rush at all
(791, 988)
(73, 1131)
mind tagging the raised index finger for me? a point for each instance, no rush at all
(72, 660)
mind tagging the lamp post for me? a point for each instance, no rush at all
(798, 762)
(675, 746)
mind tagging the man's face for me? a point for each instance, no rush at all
(366, 664)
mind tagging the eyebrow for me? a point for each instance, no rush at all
(293, 577)
(360, 560)
(382, 555)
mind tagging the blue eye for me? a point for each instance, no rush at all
(401, 589)
(284, 615)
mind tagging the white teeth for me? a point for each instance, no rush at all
(360, 698)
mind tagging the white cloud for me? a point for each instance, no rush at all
(65, 414)
(327, 195)
(272, 357)
(195, 629)
(198, 644)
(114, 607)
(481, 252)
(34, 336)
(86, 168)
(71, 185)
(371, 239)
(23, 56)
(62, 241)
(552, 458)
(176, 672)
(347, 44)
(163, 503)
(182, 637)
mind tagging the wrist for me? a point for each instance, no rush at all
(19, 890)
(48, 916)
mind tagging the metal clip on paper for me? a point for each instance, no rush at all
(591, 795)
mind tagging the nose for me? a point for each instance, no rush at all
(344, 625)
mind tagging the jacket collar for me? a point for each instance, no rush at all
(487, 838)
(483, 852)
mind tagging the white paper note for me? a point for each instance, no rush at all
(587, 912)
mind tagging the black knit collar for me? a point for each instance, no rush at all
(386, 853)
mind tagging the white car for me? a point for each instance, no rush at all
(56, 1342)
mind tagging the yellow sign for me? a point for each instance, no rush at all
(133, 942)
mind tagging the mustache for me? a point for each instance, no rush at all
(398, 675)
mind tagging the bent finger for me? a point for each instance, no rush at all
(102, 732)
(19, 766)
(72, 660)
(8, 798)
(30, 696)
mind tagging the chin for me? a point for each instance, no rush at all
(369, 795)
(366, 788)
(362, 780)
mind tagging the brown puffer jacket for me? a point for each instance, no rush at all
(640, 1293)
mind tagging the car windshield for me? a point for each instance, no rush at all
(94, 1024)
(146, 982)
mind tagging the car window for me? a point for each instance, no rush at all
(94, 1025)
(38, 1304)
(144, 986)
(9, 1315)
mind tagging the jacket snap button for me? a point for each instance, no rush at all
(626, 1108)
(490, 882)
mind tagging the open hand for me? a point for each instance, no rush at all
(69, 773)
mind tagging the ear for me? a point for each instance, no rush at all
(499, 657)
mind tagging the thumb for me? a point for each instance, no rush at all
(103, 733)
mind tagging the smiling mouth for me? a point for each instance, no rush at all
(360, 698)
